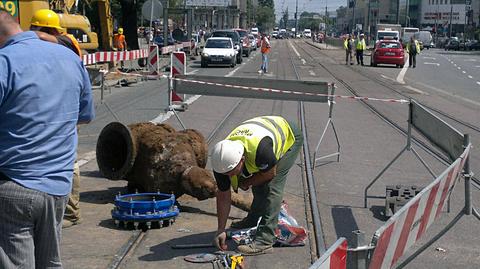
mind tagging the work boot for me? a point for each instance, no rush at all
(69, 223)
(255, 248)
(245, 223)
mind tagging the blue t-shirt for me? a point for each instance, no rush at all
(44, 91)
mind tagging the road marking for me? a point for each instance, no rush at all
(454, 64)
(304, 62)
(415, 90)
(294, 49)
(450, 94)
(459, 68)
(192, 72)
(470, 60)
(232, 72)
(85, 158)
(464, 72)
(401, 75)
(470, 76)
(312, 73)
(385, 77)
(437, 64)
(432, 58)
(477, 66)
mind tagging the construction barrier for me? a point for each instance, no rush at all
(111, 56)
(409, 224)
(178, 66)
(153, 60)
(334, 258)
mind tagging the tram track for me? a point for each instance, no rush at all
(428, 149)
(138, 236)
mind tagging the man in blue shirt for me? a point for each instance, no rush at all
(44, 93)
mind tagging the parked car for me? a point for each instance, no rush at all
(388, 52)
(219, 50)
(473, 45)
(253, 41)
(452, 45)
(158, 40)
(246, 44)
(254, 31)
(235, 39)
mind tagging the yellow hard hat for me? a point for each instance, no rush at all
(120, 30)
(46, 18)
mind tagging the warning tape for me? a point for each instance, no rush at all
(388, 100)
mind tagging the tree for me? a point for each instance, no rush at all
(265, 18)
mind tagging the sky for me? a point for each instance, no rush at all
(306, 5)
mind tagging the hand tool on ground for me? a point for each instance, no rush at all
(189, 246)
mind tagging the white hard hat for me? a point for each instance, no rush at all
(226, 155)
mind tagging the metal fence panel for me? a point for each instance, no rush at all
(437, 131)
(409, 224)
(335, 257)
(292, 90)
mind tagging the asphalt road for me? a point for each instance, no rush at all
(367, 144)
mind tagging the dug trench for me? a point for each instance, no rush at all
(157, 158)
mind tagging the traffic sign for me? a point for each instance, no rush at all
(152, 10)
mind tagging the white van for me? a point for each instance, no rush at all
(307, 33)
(426, 38)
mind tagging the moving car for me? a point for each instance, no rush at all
(219, 50)
(275, 34)
(307, 33)
(254, 31)
(426, 38)
(388, 52)
(237, 43)
(245, 42)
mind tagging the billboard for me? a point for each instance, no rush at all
(208, 3)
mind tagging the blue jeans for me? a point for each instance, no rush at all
(264, 62)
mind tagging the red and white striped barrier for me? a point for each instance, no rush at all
(172, 48)
(153, 60)
(409, 224)
(334, 258)
(110, 56)
(178, 66)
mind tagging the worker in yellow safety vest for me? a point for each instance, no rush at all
(413, 48)
(46, 24)
(359, 48)
(259, 154)
(348, 46)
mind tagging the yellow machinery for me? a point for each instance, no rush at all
(77, 25)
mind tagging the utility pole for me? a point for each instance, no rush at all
(450, 27)
(326, 16)
(407, 7)
(296, 18)
(398, 11)
(353, 16)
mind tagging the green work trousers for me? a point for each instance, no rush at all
(267, 198)
(72, 210)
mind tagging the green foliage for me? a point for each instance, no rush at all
(309, 20)
(265, 18)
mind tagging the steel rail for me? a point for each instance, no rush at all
(389, 86)
(312, 193)
(137, 236)
(432, 152)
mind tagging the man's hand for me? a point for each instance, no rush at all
(220, 240)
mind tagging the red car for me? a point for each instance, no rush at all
(388, 52)
(246, 45)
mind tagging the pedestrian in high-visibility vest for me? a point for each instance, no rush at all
(258, 154)
(264, 49)
(348, 46)
(119, 42)
(360, 47)
(413, 48)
